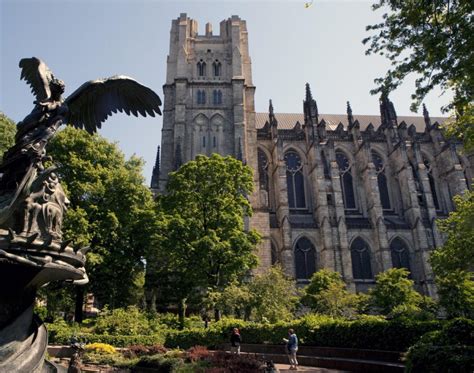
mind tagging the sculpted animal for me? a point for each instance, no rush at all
(86, 108)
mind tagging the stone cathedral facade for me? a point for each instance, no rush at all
(357, 194)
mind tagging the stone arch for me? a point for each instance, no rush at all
(295, 179)
(361, 258)
(380, 164)
(400, 253)
(305, 257)
(345, 164)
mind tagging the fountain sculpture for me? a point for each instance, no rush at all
(33, 204)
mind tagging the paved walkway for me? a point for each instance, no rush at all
(285, 368)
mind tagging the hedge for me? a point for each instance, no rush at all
(369, 333)
(380, 335)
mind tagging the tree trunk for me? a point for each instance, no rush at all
(78, 313)
(182, 312)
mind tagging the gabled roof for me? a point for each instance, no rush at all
(288, 120)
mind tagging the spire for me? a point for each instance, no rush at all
(271, 115)
(155, 176)
(427, 118)
(387, 111)
(310, 108)
(350, 118)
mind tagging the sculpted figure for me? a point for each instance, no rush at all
(33, 204)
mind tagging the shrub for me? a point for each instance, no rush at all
(122, 321)
(160, 363)
(197, 353)
(450, 349)
(101, 347)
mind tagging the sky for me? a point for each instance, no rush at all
(290, 44)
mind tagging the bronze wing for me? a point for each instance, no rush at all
(94, 101)
(38, 76)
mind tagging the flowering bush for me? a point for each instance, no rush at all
(101, 347)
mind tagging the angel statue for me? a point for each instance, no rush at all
(33, 203)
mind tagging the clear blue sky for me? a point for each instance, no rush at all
(289, 46)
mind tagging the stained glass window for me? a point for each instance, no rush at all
(305, 259)
(217, 68)
(295, 180)
(201, 68)
(360, 255)
(217, 97)
(400, 254)
(381, 181)
(345, 173)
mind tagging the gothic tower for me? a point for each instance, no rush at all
(208, 95)
(209, 105)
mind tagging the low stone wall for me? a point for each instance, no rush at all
(347, 359)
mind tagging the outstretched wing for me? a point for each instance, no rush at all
(94, 101)
(38, 76)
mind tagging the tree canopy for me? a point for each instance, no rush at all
(326, 293)
(454, 261)
(435, 40)
(204, 243)
(111, 211)
(7, 134)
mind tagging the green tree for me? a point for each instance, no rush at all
(273, 296)
(327, 294)
(204, 244)
(7, 133)
(454, 261)
(111, 211)
(394, 295)
(435, 40)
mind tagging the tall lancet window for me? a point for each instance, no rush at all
(295, 181)
(263, 170)
(345, 173)
(360, 255)
(381, 181)
(305, 259)
(431, 179)
(400, 254)
(201, 68)
(217, 68)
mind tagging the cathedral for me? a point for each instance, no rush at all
(357, 194)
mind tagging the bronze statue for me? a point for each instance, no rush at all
(33, 203)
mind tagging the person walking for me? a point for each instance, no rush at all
(292, 348)
(235, 341)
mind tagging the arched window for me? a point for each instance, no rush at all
(400, 254)
(217, 97)
(360, 255)
(381, 180)
(274, 254)
(263, 170)
(217, 68)
(201, 68)
(305, 259)
(201, 97)
(429, 170)
(295, 180)
(345, 173)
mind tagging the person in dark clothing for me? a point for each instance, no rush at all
(235, 341)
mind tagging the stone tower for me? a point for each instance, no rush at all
(209, 105)
(208, 95)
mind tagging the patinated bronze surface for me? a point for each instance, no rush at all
(33, 204)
